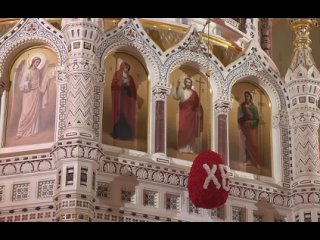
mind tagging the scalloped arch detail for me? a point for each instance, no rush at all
(26, 33)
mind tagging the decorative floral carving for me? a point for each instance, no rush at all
(264, 195)
(71, 149)
(124, 170)
(173, 179)
(130, 33)
(26, 167)
(77, 151)
(249, 194)
(278, 200)
(31, 27)
(44, 165)
(142, 173)
(235, 191)
(9, 169)
(298, 199)
(157, 176)
(109, 167)
(313, 198)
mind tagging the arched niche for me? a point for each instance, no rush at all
(202, 130)
(30, 101)
(135, 107)
(250, 130)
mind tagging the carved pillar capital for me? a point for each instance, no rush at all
(160, 93)
(222, 106)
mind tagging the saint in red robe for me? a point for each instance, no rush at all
(124, 96)
(190, 120)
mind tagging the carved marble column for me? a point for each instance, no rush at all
(222, 108)
(303, 80)
(266, 35)
(305, 143)
(84, 80)
(159, 97)
(78, 151)
(252, 28)
(303, 86)
(282, 169)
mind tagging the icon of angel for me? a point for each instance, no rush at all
(32, 81)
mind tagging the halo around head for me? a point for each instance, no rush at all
(39, 55)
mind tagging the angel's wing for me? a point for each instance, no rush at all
(18, 76)
(18, 81)
(47, 73)
(44, 79)
(21, 68)
(44, 69)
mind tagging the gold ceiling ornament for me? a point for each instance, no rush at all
(302, 50)
(301, 27)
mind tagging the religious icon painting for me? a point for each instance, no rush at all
(250, 130)
(188, 114)
(125, 111)
(31, 102)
